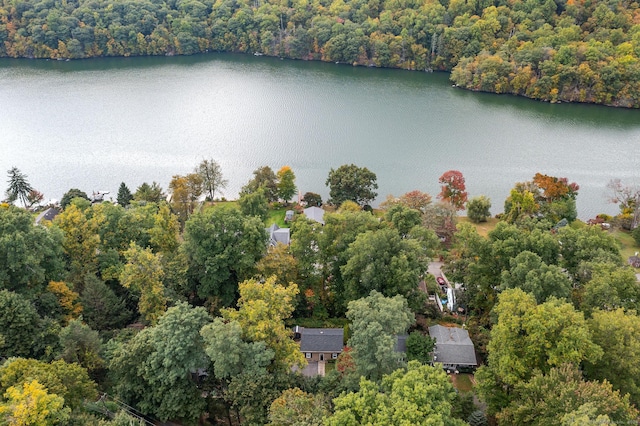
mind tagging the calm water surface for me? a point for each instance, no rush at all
(95, 123)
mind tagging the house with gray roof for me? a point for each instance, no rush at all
(278, 235)
(454, 348)
(321, 344)
(49, 214)
(315, 213)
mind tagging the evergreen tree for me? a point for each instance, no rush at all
(124, 195)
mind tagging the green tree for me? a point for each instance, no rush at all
(529, 273)
(102, 309)
(352, 183)
(417, 395)
(212, 178)
(286, 183)
(616, 332)
(611, 287)
(376, 321)
(19, 188)
(265, 178)
(149, 193)
(420, 347)
(222, 247)
(19, 323)
(528, 338)
(143, 274)
(254, 204)
(312, 199)
(31, 405)
(547, 398)
(478, 209)
(30, 256)
(382, 261)
(230, 354)
(153, 371)
(453, 190)
(124, 195)
(70, 195)
(82, 345)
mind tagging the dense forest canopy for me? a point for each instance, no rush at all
(563, 50)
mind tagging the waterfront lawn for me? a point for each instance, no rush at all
(483, 228)
(628, 246)
(276, 215)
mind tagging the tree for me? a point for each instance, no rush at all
(67, 299)
(185, 191)
(262, 309)
(627, 197)
(453, 190)
(230, 353)
(265, 178)
(212, 178)
(143, 274)
(529, 273)
(149, 193)
(34, 197)
(286, 183)
(153, 371)
(124, 195)
(31, 405)
(382, 261)
(611, 287)
(81, 241)
(19, 322)
(420, 347)
(69, 381)
(222, 247)
(30, 256)
(617, 332)
(254, 204)
(19, 188)
(102, 309)
(417, 395)
(278, 262)
(376, 322)
(547, 398)
(478, 209)
(81, 345)
(529, 336)
(350, 182)
(70, 195)
(417, 200)
(295, 407)
(312, 199)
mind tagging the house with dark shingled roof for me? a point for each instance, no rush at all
(321, 344)
(454, 348)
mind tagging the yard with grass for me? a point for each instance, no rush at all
(463, 382)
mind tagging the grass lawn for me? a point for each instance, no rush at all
(462, 382)
(277, 216)
(483, 228)
(628, 246)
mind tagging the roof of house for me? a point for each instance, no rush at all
(401, 343)
(315, 213)
(49, 214)
(322, 340)
(453, 346)
(278, 235)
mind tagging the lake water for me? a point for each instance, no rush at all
(92, 124)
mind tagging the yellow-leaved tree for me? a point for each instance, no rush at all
(31, 405)
(262, 309)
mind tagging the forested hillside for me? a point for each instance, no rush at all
(573, 50)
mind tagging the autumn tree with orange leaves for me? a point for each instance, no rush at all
(453, 189)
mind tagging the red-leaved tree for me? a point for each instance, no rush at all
(453, 189)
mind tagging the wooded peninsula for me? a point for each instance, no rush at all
(562, 50)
